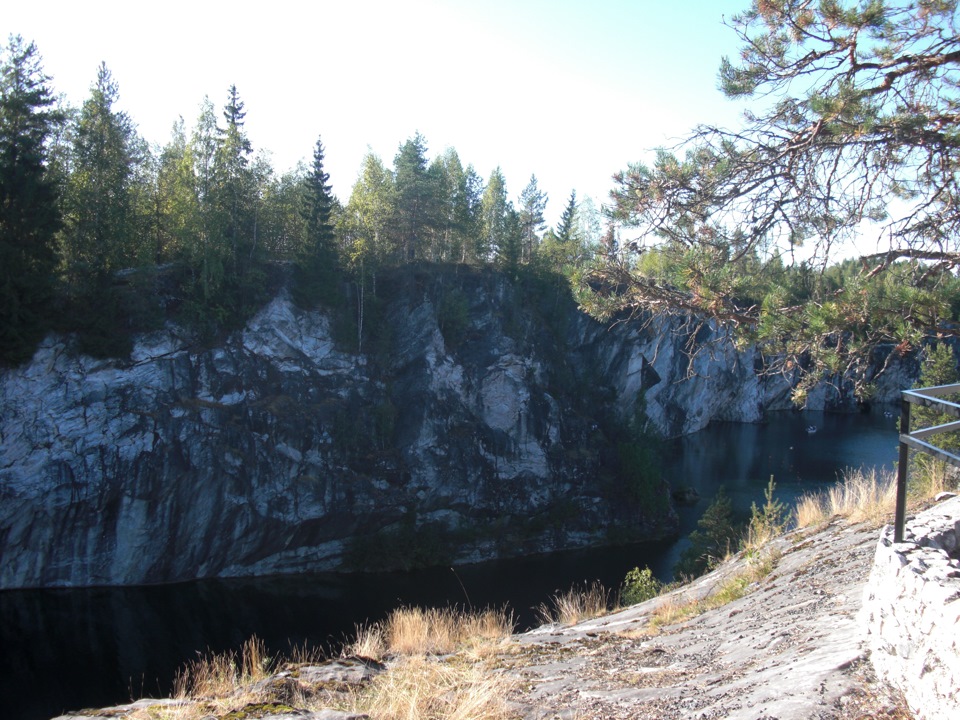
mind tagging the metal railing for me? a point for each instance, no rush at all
(930, 397)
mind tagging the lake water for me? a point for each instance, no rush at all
(69, 649)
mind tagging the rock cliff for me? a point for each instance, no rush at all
(483, 418)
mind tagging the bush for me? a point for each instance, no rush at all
(639, 585)
(713, 539)
(767, 522)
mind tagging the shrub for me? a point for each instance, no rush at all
(639, 585)
(712, 540)
(767, 522)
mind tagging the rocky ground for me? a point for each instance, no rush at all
(792, 647)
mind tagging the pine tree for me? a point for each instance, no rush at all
(416, 199)
(714, 537)
(177, 205)
(510, 251)
(494, 216)
(235, 186)
(567, 227)
(103, 222)
(316, 265)
(99, 232)
(29, 217)
(533, 204)
(470, 217)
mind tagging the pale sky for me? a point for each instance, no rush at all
(570, 91)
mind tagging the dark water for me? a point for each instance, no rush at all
(68, 649)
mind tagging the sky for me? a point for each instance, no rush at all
(569, 91)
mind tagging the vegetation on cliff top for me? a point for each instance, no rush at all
(854, 135)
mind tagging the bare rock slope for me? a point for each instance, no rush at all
(790, 648)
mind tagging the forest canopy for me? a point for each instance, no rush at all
(89, 207)
(824, 229)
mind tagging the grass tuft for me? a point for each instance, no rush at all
(220, 675)
(576, 605)
(862, 496)
(421, 687)
(435, 631)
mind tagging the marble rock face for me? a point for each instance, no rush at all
(278, 450)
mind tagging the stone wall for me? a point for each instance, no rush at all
(912, 611)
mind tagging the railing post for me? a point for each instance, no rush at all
(900, 516)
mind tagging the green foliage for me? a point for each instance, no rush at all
(415, 197)
(639, 585)
(495, 209)
(99, 235)
(453, 316)
(860, 150)
(939, 367)
(406, 545)
(715, 536)
(566, 233)
(29, 216)
(103, 205)
(533, 204)
(769, 521)
(640, 473)
(316, 271)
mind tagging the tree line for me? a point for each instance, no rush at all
(856, 127)
(87, 205)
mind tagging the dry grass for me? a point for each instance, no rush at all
(576, 605)
(674, 609)
(368, 643)
(862, 496)
(424, 688)
(417, 683)
(678, 607)
(212, 676)
(929, 477)
(415, 631)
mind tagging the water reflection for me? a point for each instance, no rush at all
(63, 650)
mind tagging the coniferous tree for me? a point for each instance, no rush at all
(175, 206)
(103, 202)
(560, 249)
(235, 188)
(494, 216)
(415, 196)
(858, 152)
(510, 251)
(316, 265)
(204, 253)
(445, 181)
(99, 235)
(567, 227)
(533, 204)
(29, 216)
(470, 216)
(715, 536)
